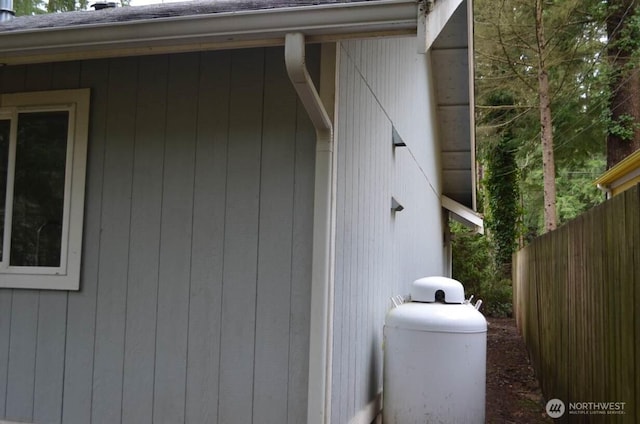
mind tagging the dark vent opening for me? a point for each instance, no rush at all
(104, 5)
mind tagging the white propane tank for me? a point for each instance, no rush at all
(434, 357)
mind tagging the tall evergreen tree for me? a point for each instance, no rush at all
(29, 7)
(547, 55)
(623, 31)
(546, 125)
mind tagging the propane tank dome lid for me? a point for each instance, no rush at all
(441, 289)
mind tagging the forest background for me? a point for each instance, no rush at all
(557, 103)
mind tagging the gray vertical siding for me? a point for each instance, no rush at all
(237, 341)
(382, 84)
(81, 309)
(207, 251)
(144, 257)
(194, 300)
(115, 225)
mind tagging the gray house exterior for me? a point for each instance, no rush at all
(239, 247)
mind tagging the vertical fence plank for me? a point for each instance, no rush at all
(575, 300)
(600, 320)
(562, 311)
(611, 282)
(624, 236)
(575, 303)
(633, 246)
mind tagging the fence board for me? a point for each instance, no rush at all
(633, 224)
(575, 303)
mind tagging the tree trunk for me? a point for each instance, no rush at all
(625, 84)
(546, 129)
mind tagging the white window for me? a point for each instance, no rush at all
(43, 154)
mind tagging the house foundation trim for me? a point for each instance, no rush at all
(322, 268)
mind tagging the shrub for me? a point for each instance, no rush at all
(497, 298)
(472, 266)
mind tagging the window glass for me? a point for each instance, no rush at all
(38, 196)
(5, 129)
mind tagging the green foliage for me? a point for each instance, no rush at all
(623, 127)
(627, 38)
(29, 7)
(576, 191)
(501, 183)
(579, 77)
(66, 5)
(497, 298)
(509, 123)
(472, 266)
(36, 7)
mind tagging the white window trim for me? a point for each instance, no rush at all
(67, 276)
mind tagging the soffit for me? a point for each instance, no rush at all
(454, 96)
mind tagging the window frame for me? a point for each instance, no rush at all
(67, 275)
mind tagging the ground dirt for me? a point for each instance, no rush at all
(513, 394)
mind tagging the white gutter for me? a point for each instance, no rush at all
(322, 275)
(252, 28)
(432, 18)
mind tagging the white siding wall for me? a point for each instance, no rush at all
(382, 83)
(194, 300)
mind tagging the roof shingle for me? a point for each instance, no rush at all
(155, 11)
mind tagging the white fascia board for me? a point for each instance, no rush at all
(432, 18)
(472, 102)
(463, 214)
(254, 28)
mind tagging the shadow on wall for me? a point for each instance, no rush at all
(374, 377)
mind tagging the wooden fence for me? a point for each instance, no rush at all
(577, 305)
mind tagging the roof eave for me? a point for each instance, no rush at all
(621, 169)
(466, 216)
(255, 28)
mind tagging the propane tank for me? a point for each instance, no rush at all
(435, 357)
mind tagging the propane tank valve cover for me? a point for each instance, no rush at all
(440, 289)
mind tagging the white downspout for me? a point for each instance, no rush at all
(322, 276)
(605, 189)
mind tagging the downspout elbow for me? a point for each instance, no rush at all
(606, 189)
(294, 54)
